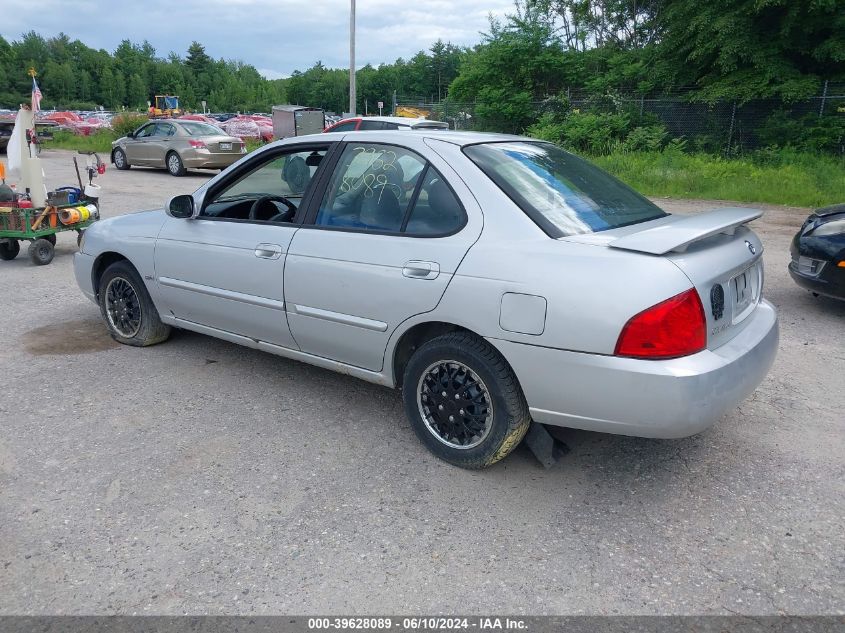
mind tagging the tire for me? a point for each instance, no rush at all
(494, 392)
(50, 238)
(175, 165)
(41, 252)
(126, 307)
(9, 249)
(119, 159)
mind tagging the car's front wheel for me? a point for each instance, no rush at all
(126, 306)
(175, 165)
(464, 401)
(119, 159)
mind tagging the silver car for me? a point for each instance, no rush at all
(496, 280)
(177, 145)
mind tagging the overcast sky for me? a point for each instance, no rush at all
(275, 36)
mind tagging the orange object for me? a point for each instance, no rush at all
(74, 215)
(48, 211)
(2, 171)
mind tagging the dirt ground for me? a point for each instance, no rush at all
(200, 477)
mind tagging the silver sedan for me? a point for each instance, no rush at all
(496, 280)
(177, 145)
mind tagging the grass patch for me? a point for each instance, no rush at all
(775, 177)
(253, 144)
(100, 141)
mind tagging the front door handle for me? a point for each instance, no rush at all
(421, 270)
(268, 251)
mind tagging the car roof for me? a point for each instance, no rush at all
(461, 138)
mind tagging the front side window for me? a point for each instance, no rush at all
(372, 188)
(271, 192)
(562, 193)
(371, 125)
(146, 131)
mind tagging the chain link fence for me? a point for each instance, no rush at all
(721, 127)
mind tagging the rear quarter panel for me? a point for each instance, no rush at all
(591, 291)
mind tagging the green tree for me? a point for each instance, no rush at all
(197, 60)
(744, 49)
(519, 61)
(136, 92)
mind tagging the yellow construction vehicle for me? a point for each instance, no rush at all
(165, 106)
(412, 113)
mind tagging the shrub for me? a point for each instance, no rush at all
(595, 133)
(123, 124)
(649, 138)
(810, 133)
(547, 129)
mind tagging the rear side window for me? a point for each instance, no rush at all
(562, 193)
(345, 127)
(389, 189)
(371, 125)
(436, 210)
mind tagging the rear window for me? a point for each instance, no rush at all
(198, 128)
(562, 193)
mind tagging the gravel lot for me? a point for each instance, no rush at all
(204, 478)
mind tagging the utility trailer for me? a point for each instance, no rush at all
(294, 120)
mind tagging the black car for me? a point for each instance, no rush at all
(818, 253)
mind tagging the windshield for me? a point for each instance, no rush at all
(197, 128)
(562, 193)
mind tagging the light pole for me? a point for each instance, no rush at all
(352, 95)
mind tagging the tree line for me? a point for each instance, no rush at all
(722, 49)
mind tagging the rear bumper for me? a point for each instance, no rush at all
(666, 399)
(205, 159)
(82, 267)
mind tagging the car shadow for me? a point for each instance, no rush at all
(601, 459)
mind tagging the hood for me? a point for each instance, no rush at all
(834, 209)
(138, 224)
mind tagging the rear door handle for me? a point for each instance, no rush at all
(421, 270)
(268, 251)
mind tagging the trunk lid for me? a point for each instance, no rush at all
(720, 256)
(224, 144)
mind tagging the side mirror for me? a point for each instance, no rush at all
(181, 207)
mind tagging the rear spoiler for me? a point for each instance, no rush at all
(682, 231)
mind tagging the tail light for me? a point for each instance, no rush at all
(197, 144)
(672, 328)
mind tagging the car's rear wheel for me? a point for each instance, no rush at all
(175, 165)
(130, 315)
(119, 159)
(464, 401)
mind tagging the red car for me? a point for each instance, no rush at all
(385, 123)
